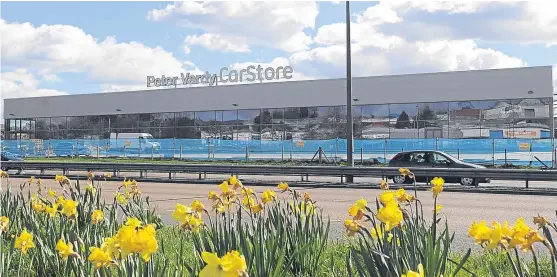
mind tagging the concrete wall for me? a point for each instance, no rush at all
(431, 87)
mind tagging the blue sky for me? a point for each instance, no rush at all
(54, 48)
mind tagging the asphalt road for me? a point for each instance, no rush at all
(460, 209)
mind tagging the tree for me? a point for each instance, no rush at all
(403, 121)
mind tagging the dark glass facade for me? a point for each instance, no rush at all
(469, 119)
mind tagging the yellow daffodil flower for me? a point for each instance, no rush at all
(352, 226)
(387, 197)
(268, 196)
(358, 210)
(4, 223)
(99, 258)
(51, 193)
(540, 221)
(411, 273)
(213, 196)
(90, 175)
(283, 187)
(384, 185)
(390, 215)
(438, 208)
(52, 211)
(65, 249)
(197, 206)
(24, 241)
(3, 174)
(437, 186)
(69, 209)
(90, 188)
(230, 265)
(181, 212)
(97, 216)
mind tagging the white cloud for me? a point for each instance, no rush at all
(216, 42)
(21, 83)
(53, 49)
(267, 23)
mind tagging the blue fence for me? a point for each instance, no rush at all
(496, 151)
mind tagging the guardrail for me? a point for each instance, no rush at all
(337, 171)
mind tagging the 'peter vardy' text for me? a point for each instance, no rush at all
(250, 74)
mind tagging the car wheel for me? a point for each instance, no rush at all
(466, 181)
(399, 179)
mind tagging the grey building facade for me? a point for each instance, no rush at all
(464, 104)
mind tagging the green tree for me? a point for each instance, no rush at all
(403, 121)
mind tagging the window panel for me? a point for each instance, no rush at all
(465, 110)
(277, 115)
(185, 119)
(205, 118)
(227, 117)
(247, 117)
(75, 122)
(532, 108)
(58, 123)
(42, 123)
(187, 133)
(127, 121)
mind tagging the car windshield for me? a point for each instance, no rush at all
(450, 156)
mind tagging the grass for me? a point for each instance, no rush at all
(333, 262)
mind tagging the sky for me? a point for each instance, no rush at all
(57, 48)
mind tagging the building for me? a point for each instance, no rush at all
(507, 103)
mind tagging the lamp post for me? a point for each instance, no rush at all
(349, 125)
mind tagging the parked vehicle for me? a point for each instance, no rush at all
(136, 141)
(8, 156)
(433, 159)
(70, 149)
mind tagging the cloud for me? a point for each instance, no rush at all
(525, 22)
(62, 48)
(21, 83)
(266, 23)
(216, 42)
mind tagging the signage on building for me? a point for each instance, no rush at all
(226, 75)
(522, 134)
(300, 143)
(524, 146)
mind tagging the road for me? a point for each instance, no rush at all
(460, 209)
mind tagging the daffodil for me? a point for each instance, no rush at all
(24, 241)
(52, 211)
(283, 187)
(197, 206)
(135, 238)
(437, 186)
(540, 221)
(307, 197)
(387, 197)
(107, 175)
(90, 175)
(402, 196)
(248, 201)
(406, 172)
(234, 182)
(38, 206)
(496, 236)
(531, 238)
(4, 223)
(99, 257)
(213, 196)
(384, 185)
(32, 179)
(391, 215)
(230, 265)
(65, 249)
(62, 179)
(51, 193)
(247, 191)
(357, 210)
(121, 198)
(69, 208)
(352, 226)
(268, 196)
(3, 174)
(411, 273)
(97, 216)
(90, 188)
(257, 208)
(181, 212)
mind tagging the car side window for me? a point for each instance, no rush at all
(418, 157)
(440, 159)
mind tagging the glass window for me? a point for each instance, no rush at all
(58, 123)
(75, 122)
(466, 110)
(187, 133)
(185, 119)
(26, 125)
(247, 117)
(277, 115)
(227, 117)
(92, 122)
(205, 118)
(42, 123)
(532, 108)
(127, 121)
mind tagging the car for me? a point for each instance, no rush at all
(8, 156)
(432, 159)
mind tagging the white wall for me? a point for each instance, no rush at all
(432, 87)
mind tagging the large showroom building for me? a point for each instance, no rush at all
(499, 103)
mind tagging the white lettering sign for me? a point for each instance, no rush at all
(226, 75)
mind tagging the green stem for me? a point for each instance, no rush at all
(536, 262)
(19, 264)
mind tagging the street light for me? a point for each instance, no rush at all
(349, 125)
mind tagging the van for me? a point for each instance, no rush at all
(138, 141)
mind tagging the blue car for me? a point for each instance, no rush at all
(8, 156)
(70, 149)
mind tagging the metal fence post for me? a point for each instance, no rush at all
(436, 144)
(180, 152)
(73, 151)
(320, 154)
(173, 148)
(208, 151)
(282, 154)
(124, 151)
(493, 151)
(385, 152)
(361, 156)
(247, 153)
(152, 151)
(97, 151)
(290, 150)
(458, 153)
(214, 149)
(505, 156)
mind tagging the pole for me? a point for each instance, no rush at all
(349, 125)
